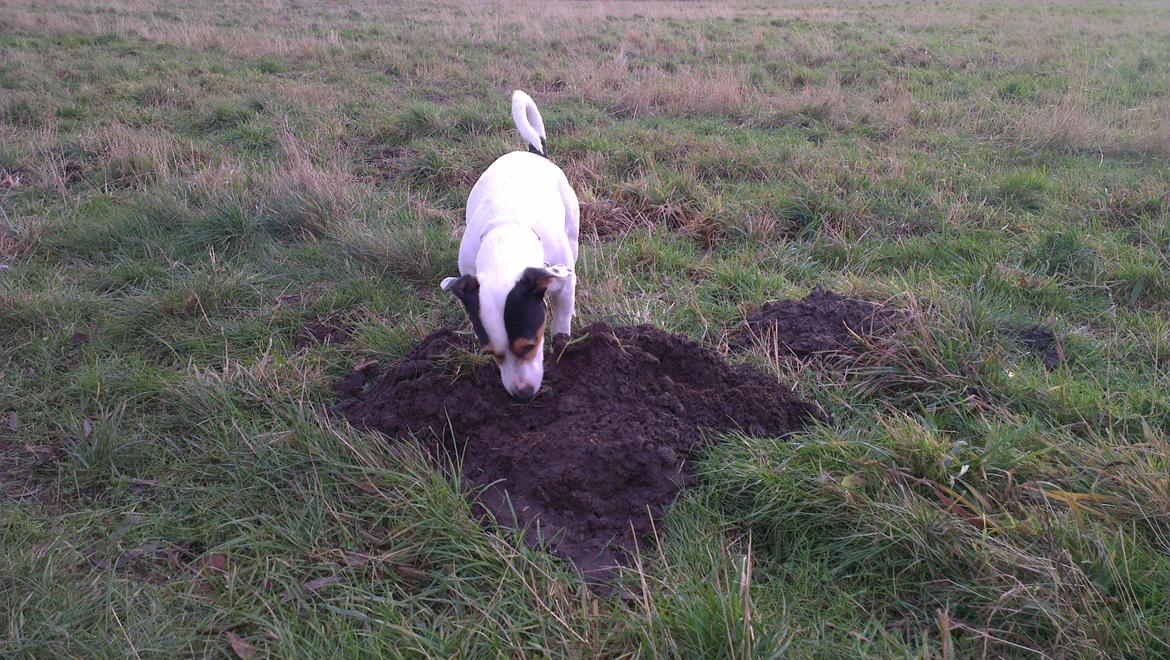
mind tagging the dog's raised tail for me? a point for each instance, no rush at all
(529, 122)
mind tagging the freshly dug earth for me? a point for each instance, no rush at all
(1042, 343)
(822, 322)
(602, 448)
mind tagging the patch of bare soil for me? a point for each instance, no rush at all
(1041, 342)
(821, 322)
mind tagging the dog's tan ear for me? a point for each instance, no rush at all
(541, 279)
(462, 288)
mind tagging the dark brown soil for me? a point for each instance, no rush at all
(822, 322)
(1041, 342)
(604, 446)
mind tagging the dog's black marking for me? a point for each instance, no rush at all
(543, 151)
(524, 314)
(466, 289)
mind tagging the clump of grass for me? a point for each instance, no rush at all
(463, 364)
(437, 167)
(851, 503)
(304, 212)
(154, 94)
(934, 363)
(271, 64)
(72, 111)
(605, 218)
(224, 116)
(1128, 206)
(1024, 190)
(1061, 252)
(811, 104)
(20, 111)
(805, 212)
(670, 200)
(412, 241)
(226, 221)
(17, 242)
(418, 120)
(254, 137)
(307, 198)
(1015, 88)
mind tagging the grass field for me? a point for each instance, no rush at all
(184, 188)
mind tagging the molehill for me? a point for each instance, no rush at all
(585, 466)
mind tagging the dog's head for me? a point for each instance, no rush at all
(508, 316)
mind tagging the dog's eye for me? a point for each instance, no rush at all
(525, 350)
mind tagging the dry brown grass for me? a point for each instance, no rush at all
(624, 76)
(16, 244)
(136, 157)
(601, 218)
(1074, 123)
(636, 91)
(1066, 126)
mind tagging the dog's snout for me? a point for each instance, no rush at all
(524, 393)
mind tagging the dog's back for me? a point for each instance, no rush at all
(519, 186)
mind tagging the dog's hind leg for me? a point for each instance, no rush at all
(572, 215)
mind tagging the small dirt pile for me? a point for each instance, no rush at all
(600, 450)
(822, 322)
(1042, 342)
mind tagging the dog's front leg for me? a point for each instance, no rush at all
(563, 303)
(563, 310)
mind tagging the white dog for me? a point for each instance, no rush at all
(520, 242)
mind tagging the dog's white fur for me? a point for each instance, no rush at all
(521, 213)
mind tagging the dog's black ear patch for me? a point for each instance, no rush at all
(466, 289)
(463, 287)
(537, 280)
(524, 313)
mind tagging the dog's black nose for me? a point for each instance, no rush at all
(526, 393)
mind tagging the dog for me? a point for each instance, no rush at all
(520, 243)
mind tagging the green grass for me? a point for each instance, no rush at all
(183, 189)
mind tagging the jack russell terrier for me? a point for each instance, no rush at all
(520, 243)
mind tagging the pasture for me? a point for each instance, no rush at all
(195, 198)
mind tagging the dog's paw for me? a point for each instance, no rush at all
(559, 343)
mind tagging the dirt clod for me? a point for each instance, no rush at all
(1041, 342)
(821, 322)
(603, 447)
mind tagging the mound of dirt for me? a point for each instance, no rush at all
(601, 450)
(1041, 342)
(822, 322)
